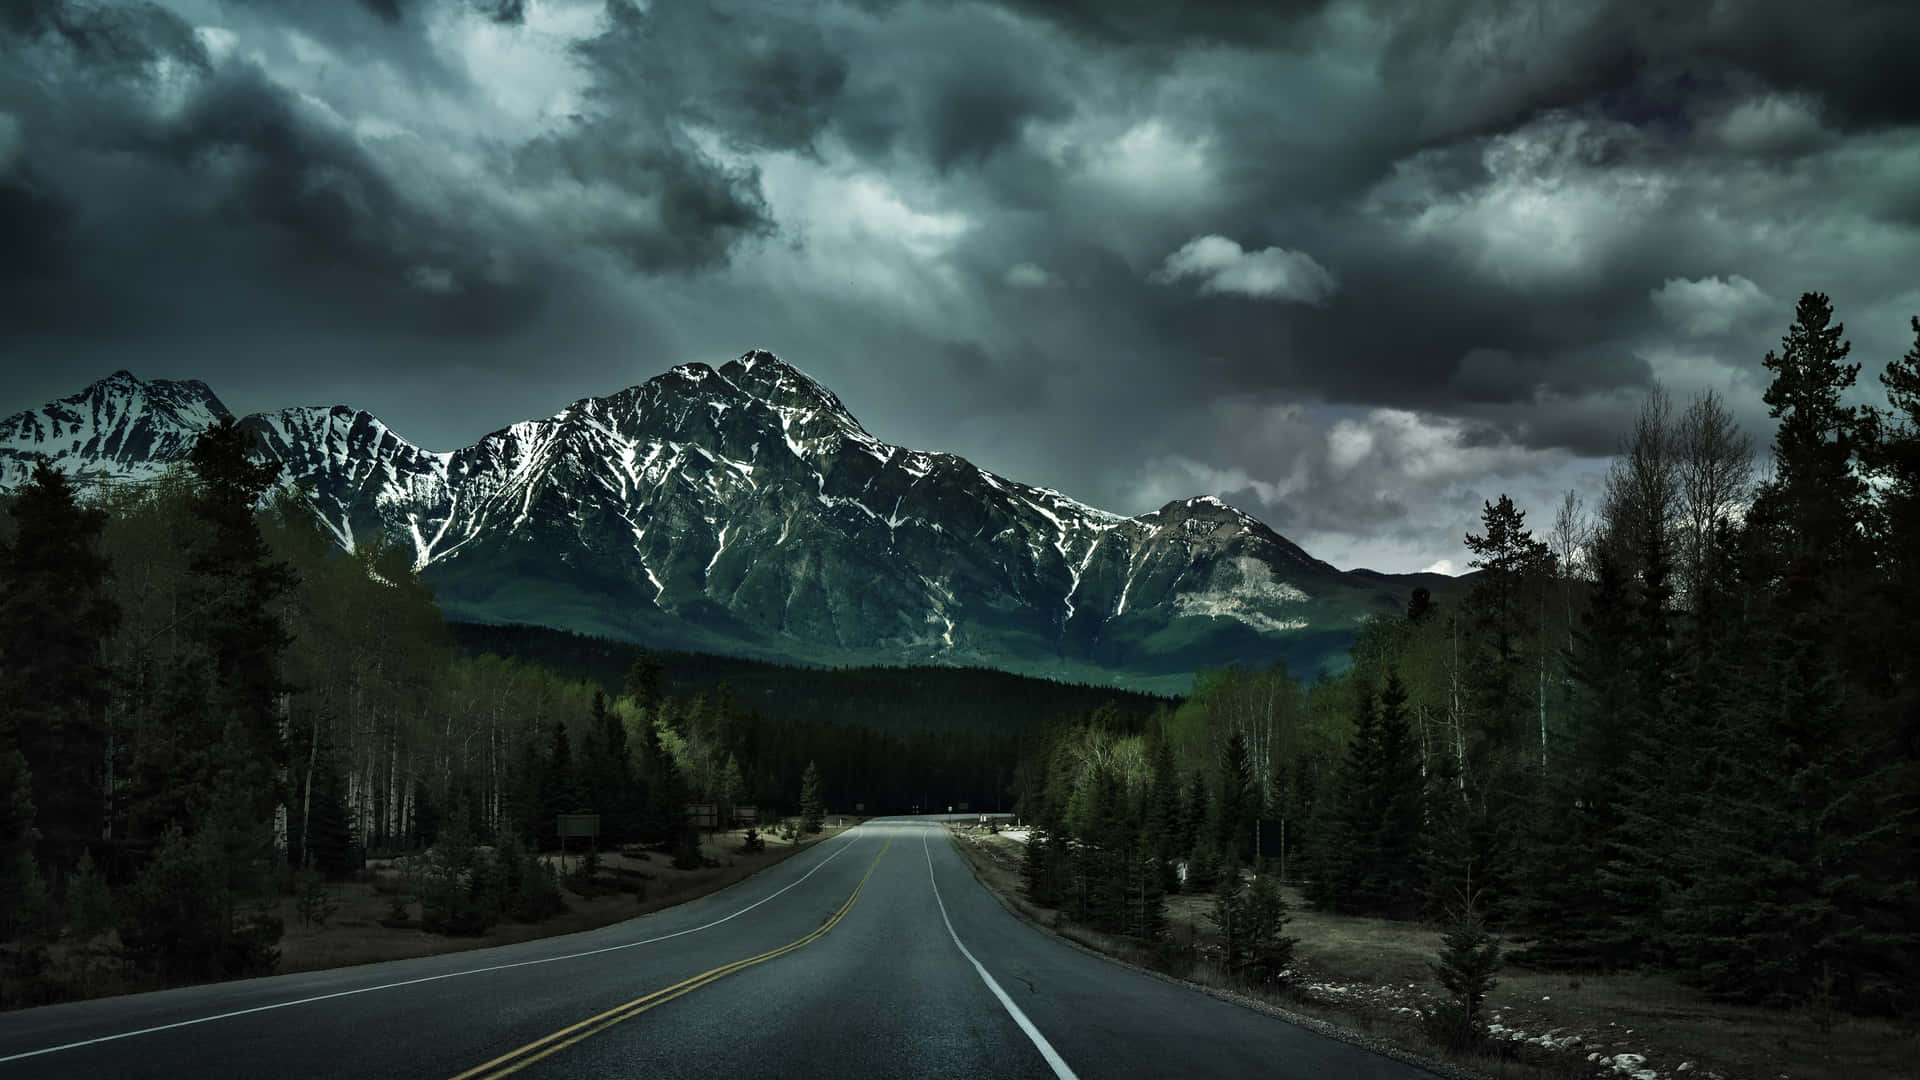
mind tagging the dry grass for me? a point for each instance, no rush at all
(1363, 973)
(627, 886)
(354, 934)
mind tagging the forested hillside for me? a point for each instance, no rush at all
(1679, 732)
(899, 700)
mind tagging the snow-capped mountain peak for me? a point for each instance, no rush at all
(745, 509)
(118, 428)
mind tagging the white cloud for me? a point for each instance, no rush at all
(1348, 443)
(1710, 305)
(1769, 124)
(1444, 566)
(1222, 266)
(1148, 162)
(1562, 197)
(1028, 275)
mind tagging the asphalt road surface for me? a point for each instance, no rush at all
(875, 954)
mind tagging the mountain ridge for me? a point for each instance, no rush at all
(745, 509)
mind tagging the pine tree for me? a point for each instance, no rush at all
(561, 791)
(23, 897)
(1162, 818)
(812, 810)
(55, 613)
(1196, 815)
(1579, 820)
(644, 681)
(89, 901)
(1789, 897)
(1237, 806)
(1469, 957)
(237, 583)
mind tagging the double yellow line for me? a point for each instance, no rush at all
(515, 1060)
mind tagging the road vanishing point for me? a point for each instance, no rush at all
(874, 954)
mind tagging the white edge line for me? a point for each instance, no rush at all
(431, 978)
(1040, 1042)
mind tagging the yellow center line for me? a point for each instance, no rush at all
(515, 1060)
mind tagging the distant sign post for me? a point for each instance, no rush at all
(746, 815)
(587, 825)
(704, 815)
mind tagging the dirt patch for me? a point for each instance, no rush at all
(1372, 975)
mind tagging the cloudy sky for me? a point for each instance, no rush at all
(1354, 265)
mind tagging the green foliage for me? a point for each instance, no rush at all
(1375, 817)
(460, 894)
(1469, 958)
(55, 613)
(23, 893)
(199, 910)
(529, 892)
(313, 901)
(812, 811)
(90, 909)
(1251, 920)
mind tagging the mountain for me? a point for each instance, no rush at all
(118, 429)
(745, 510)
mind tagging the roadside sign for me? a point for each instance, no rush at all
(704, 815)
(579, 825)
(747, 814)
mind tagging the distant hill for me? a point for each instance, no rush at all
(897, 700)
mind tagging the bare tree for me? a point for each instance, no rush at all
(1642, 503)
(1716, 481)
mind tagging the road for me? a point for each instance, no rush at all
(875, 954)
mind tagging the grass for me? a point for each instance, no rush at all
(1361, 974)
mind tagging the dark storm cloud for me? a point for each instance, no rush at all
(258, 180)
(761, 73)
(1153, 24)
(1357, 263)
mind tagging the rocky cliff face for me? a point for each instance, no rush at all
(744, 509)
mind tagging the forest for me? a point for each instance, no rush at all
(899, 700)
(1677, 731)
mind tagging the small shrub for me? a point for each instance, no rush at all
(752, 842)
(89, 901)
(1469, 956)
(313, 901)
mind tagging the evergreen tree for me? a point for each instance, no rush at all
(561, 791)
(23, 898)
(812, 811)
(236, 585)
(1238, 805)
(644, 681)
(1469, 957)
(1195, 822)
(1789, 899)
(1579, 821)
(1162, 819)
(89, 901)
(55, 612)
